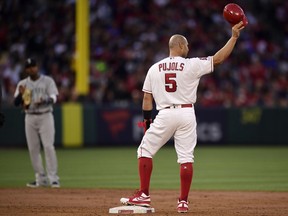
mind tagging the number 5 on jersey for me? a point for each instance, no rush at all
(170, 82)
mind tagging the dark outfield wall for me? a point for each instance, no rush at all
(87, 125)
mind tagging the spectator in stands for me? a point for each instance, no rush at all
(121, 51)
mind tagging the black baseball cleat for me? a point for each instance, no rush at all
(55, 185)
(33, 184)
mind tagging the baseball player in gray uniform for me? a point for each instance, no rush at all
(36, 94)
(172, 83)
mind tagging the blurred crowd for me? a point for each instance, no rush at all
(128, 36)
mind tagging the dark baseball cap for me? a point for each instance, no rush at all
(30, 62)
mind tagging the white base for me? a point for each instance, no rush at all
(131, 210)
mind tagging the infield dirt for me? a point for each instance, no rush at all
(96, 202)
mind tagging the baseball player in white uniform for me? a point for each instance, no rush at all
(39, 123)
(172, 83)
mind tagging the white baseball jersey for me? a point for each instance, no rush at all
(174, 80)
(173, 83)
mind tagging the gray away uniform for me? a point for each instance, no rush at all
(40, 128)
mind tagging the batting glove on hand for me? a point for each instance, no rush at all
(145, 124)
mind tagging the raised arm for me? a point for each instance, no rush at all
(226, 50)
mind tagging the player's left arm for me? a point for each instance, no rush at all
(147, 106)
(52, 92)
(50, 100)
(52, 97)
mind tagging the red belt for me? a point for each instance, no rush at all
(179, 106)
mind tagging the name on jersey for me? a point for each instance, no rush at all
(171, 66)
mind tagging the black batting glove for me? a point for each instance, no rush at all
(147, 123)
(147, 119)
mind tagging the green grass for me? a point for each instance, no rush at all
(215, 168)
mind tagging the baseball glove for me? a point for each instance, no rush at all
(26, 96)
